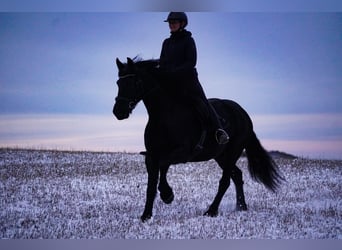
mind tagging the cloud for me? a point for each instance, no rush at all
(64, 62)
(316, 136)
(76, 132)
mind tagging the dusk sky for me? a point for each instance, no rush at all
(284, 68)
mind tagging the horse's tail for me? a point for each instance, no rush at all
(260, 164)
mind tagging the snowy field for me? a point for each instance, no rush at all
(51, 194)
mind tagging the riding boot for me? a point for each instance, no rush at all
(203, 115)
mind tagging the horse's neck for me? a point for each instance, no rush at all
(154, 103)
(156, 100)
(153, 96)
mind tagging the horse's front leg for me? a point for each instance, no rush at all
(153, 174)
(166, 193)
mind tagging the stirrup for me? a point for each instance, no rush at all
(221, 136)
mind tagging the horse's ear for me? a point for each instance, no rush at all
(119, 64)
(130, 61)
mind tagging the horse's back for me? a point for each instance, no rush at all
(228, 106)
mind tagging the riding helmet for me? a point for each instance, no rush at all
(180, 16)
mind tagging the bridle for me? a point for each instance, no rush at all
(141, 91)
(131, 102)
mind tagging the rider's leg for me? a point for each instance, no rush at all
(203, 115)
(188, 86)
(207, 112)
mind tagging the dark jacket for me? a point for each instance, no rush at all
(178, 53)
(177, 62)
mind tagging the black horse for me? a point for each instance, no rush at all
(173, 130)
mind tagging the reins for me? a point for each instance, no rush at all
(140, 82)
(125, 76)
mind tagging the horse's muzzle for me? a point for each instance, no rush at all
(119, 114)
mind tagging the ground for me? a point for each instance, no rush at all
(56, 194)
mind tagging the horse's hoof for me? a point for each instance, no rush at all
(145, 217)
(169, 199)
(241, 207)
(211, 213)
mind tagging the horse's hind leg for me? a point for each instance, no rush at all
(224, 183)
(227, 162)
(166, 193)
(236, 176)
(223, 186)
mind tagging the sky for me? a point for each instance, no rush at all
(280, 66)
(178, 5)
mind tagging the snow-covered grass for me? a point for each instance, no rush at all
(53, 194)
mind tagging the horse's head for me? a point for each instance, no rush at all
(129, 89)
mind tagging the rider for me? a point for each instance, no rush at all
(177, 67)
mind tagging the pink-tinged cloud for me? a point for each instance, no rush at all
(317, 136)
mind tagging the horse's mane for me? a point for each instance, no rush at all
(145, 64)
